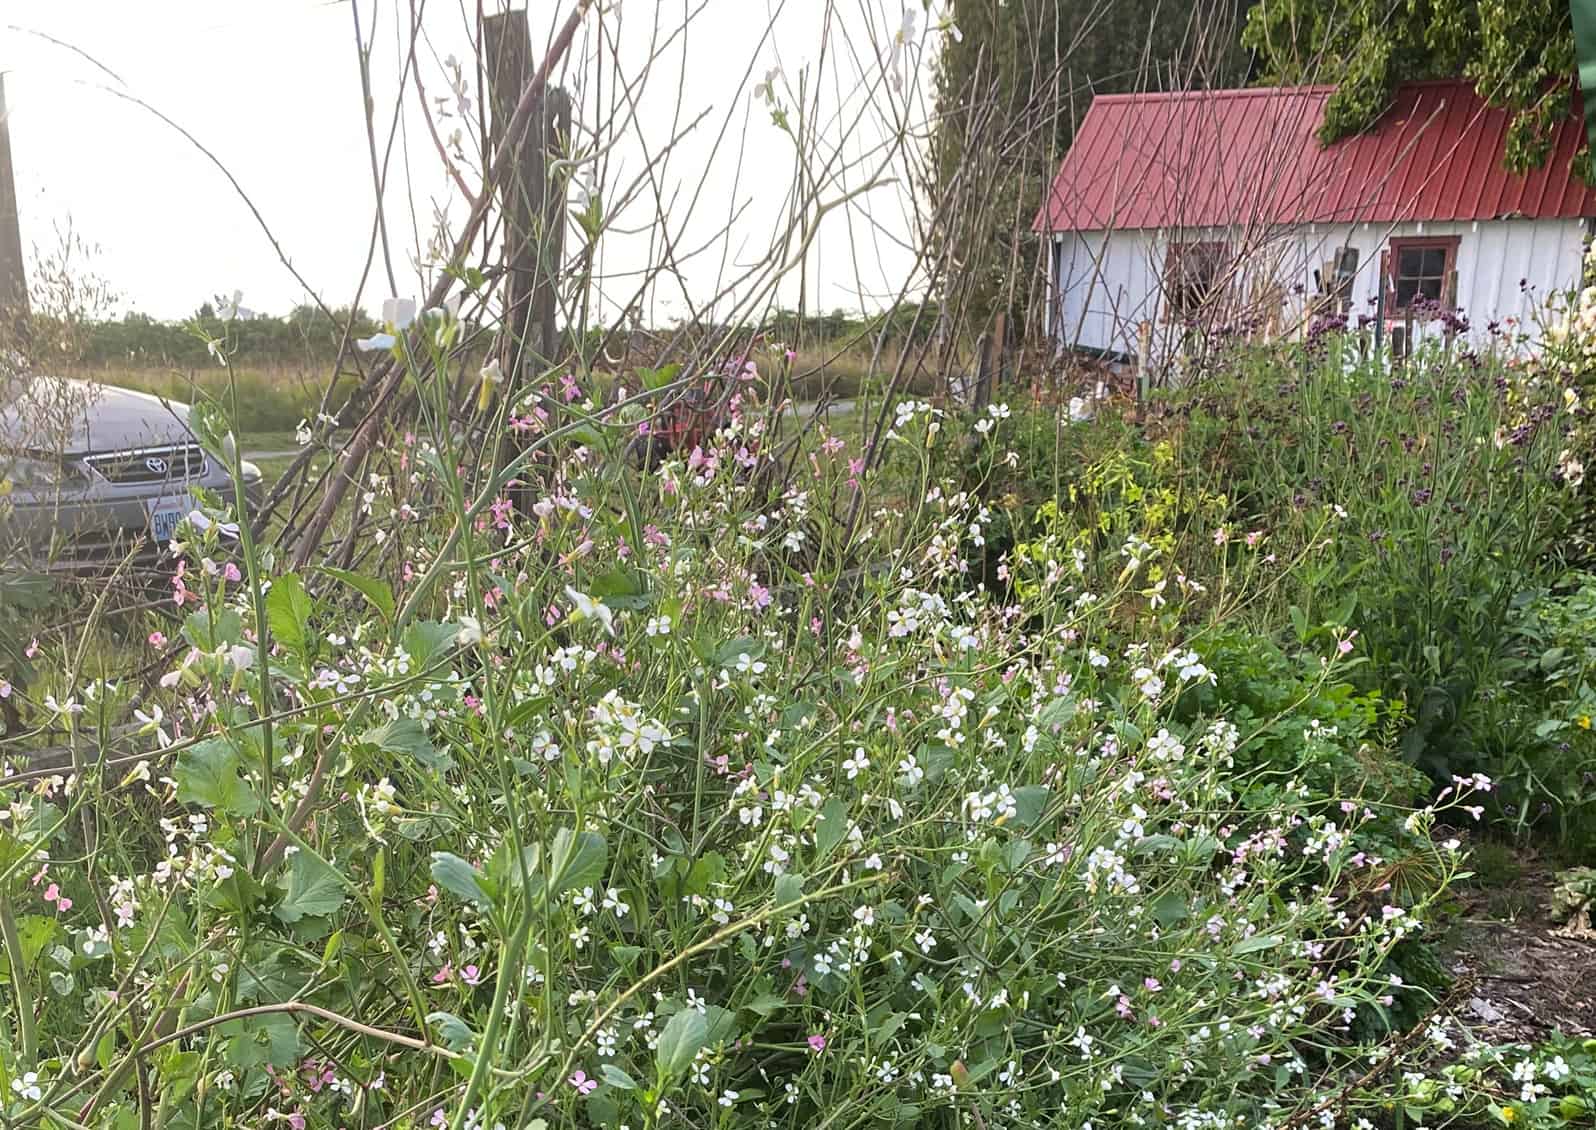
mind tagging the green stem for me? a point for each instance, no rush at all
(19, 981)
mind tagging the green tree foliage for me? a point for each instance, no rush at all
(1011, 91)
(1518, 53)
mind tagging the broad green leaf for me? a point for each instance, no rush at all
(577, 859)
(660, 377)
(208, 634)
(1029, 800)
(722, 1025)
(425, 640)
(456, 1033)
(789, 888)
(376, 590)
(458, 877)
(615, 1077)
(683, 1037)
(1255, 943)
(288, 611)
(832, 827)
(35, 932)
(208, 775)
(408, 736)
(727, 653)
(311, 889)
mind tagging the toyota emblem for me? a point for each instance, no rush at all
(156, 464)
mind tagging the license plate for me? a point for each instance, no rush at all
(165, 514)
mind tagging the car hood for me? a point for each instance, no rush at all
(73, 417)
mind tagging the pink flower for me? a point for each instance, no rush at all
(231, 574)
(1151, 984)
(444, 974)
(157, 639)
(817, 1043)
(583, 1085)
(471, 975)
(33, 648)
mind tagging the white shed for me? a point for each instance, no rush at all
(1177, 215)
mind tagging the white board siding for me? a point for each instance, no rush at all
(1108, 283)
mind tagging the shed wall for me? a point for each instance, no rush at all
(1108, 284)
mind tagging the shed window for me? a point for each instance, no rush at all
(1422, 271)
(1193, 277)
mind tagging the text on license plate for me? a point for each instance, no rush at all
(165, 514)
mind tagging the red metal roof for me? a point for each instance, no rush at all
(1227, 157)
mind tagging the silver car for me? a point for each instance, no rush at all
(91, 474)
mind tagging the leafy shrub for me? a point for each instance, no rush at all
(1426, 499)
(648, 806)
(1545, 753)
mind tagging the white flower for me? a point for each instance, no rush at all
(766, 91)
(399, 312)
(470, 631)
(241, 658)
(375, 342)
(907, 34)
(28, 1087)
(585, 607)
(491, 373)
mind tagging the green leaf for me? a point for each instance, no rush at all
(1029, 801)
(576, 860)
(208, 634)
(832, 827)
(408, 736)
(456, 1033)
(1169, 908)
(376, 590)
(311, 889)
(35, 932)
(288, 611)
(682, 1038)
(659, 378)
(458, 877)
(208, 775)
(727, 653)
(1255, 943)
(617, 1078)
(789, 888)
(425, 640)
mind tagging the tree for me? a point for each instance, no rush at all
(1011, 90)
(1518, 53)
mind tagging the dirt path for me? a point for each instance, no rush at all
(1530, 976)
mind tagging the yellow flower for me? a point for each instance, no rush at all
(1584, 721)
(1508, 1115)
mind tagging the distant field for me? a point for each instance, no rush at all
(273, 399)
(269, 399)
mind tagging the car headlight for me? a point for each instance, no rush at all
(32, 473)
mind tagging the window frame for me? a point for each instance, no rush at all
(1174, 253)
(1395, 246)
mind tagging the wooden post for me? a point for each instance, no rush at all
(533, 209)
(13, 277)
(1000, 352)
(981, 395)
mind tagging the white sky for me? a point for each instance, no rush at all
(272, 88)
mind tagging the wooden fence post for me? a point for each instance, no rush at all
(13, 277)
(533, 208)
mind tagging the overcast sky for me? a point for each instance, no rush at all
(272, 88)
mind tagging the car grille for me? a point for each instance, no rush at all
(151, 464)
